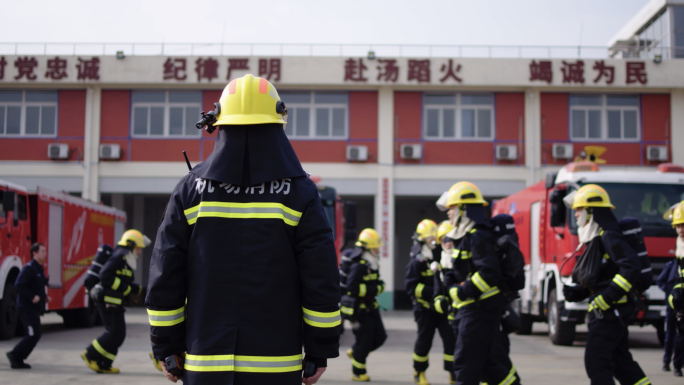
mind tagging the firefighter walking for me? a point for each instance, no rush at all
(671, 281)
(608, 286)
(474, 292)
(115, 286)
(359, 304)
(244, 270)
(420, 284)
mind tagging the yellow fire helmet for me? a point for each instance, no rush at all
(591, 195)
(370, 239)
(134, 237)
(675, 214)
(250, 100)
(426, 228)
(443, 230)
(465, 193)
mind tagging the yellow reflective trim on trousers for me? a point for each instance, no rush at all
(320, 319)
(166, 317)
(678, 286)
(128, 290)
(101, 350)
(362, 290)
(266, 210)
(669, 300)
(643, 381)
(112, 300)
(480, 282)
(510, 378)
(116, 283)
(622, 282)
(358, 365)
(419, 290)
(418, 358)
(438, 304)
(448, 357)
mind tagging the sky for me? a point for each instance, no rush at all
(422, 22)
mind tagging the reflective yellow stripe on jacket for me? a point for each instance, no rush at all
(166, 317)
(253, 364)
(320, 319)
(243, 210)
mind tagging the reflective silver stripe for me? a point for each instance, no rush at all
(166, 317)
(243, 364)
(192, 216)
(646, 270)
(96, 264)
(93, 273)
(321, 319)
(643, 253)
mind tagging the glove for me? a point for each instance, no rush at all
(575, 293)
(97, 293)
(434, 266)
(441, 304)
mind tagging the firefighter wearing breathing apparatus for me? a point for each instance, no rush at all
(473, 289)
(116, 284)
(359, 303)
(671, 281)
(607, 282)
(420, 284)
(244, 269)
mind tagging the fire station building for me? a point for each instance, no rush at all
(391, 131)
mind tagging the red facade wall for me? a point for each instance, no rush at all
(70, 130)
(408, 112)
(164, 150)
(509, 111)
(655, 118)
(438, 152)
(115, 116)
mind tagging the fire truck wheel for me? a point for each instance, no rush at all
(8, 312)
(560, 332)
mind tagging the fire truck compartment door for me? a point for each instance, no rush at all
(55, 245)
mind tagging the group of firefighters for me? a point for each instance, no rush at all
(244, 273)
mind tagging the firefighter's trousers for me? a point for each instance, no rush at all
(369, 336)
(428, 321)
(104, 348)
(607, 351)
(30, 320)
(480, 348)
(674, 341)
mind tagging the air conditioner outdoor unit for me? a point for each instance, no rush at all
(58, 151)
(411, 151)
(657, 153)
(110, 151)
(506, 152)
(357, 153)
(562, 151)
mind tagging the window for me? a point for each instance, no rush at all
(316, 114)
(28, 113)
(165, 114)
(458, 116)
(21, 207)
(604, 117)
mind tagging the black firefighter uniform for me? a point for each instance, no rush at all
(244, 270)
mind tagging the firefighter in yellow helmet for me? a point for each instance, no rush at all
(361, 284)
(473, 282)
(420, 285)
(670, 281)
(608, 288)
(244, 281)
(116, 284)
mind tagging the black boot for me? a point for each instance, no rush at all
(16, 363)
(666, 367)
(678, 372)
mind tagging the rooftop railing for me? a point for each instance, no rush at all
(332, 50)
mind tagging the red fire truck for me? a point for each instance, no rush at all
(548, 238)
(72, 229)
